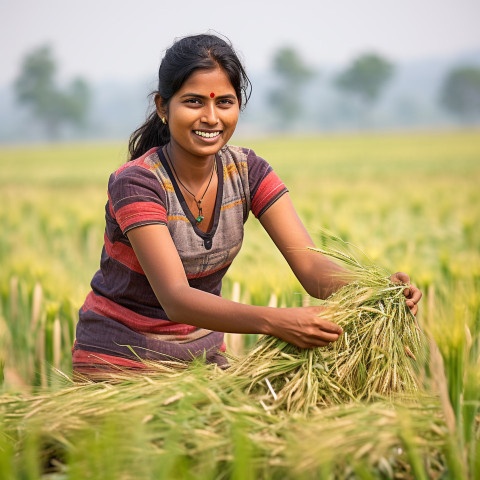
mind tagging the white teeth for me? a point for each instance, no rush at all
(206, 134)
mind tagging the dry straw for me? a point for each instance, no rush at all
(203, 417)
(379, 352)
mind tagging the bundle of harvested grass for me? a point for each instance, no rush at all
(376, 355)
(284, 376)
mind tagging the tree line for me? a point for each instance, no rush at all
(363, 81)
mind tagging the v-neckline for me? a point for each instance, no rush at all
(205, 236)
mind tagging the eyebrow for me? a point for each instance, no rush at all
(196, 95)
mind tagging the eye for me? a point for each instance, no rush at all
(225, 102)
(193, 101)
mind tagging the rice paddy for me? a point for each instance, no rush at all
(411, 202)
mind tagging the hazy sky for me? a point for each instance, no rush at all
(107, 39)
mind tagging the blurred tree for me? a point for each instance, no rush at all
(365, 77)
(35, 87)
(460, 93)
(292, 74)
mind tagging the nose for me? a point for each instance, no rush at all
(210, 116)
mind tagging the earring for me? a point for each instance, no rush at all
(164, 120)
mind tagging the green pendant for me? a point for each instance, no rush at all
(200, 218)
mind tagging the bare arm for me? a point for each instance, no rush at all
(161, 263)
(318, 275)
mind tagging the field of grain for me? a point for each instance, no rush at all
(411, 202)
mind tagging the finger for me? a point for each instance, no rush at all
(329, 337)
(319, 343)
(414, 310)
(400, 277)
(412, 306)
(331, 327)
(315, 335)
(415, 294)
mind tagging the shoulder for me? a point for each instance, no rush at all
(241, 155)
(141, 170)
(149, 161)
(139, 175)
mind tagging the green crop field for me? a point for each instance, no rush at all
(410, 202)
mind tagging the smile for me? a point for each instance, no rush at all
(206, 134)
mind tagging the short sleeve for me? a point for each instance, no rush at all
(136, 198)
(265, 185)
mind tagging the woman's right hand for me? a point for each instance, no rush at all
(305, 327)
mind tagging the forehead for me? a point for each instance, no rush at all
(206, 81)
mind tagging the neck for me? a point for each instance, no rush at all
(191, 175)
(192, 169)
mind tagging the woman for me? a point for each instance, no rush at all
(174, 223)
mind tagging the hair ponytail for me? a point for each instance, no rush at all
(153, 133)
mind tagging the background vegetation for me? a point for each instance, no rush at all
(371, 91)
(411, 202)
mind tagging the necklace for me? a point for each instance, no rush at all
(200, 216)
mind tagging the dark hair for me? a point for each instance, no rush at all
(185, 56)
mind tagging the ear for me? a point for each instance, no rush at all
(161, 106)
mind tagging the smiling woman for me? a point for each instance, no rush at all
(174, 224)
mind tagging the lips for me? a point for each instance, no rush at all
(204, 134)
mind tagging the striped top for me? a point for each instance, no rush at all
(121, 312)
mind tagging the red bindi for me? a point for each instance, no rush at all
(212, 95)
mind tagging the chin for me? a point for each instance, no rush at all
(209, 149)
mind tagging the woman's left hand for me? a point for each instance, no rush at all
(413, 294)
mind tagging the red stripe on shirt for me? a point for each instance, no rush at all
(124, 254)
(84, 356)
(105, 307)
(140, 212)
(270, 186)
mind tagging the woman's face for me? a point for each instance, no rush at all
(202, 115)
